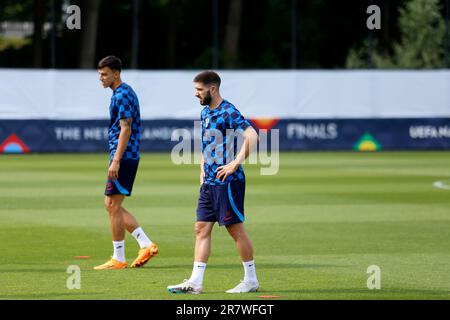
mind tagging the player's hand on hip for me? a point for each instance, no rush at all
(113, 171)
(223, 172)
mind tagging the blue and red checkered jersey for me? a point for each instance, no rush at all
(219, 142)
(124, 104)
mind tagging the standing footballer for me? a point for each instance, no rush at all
(222, 182)
(124, 136)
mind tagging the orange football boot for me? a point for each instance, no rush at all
(111, 265)
(144, 255)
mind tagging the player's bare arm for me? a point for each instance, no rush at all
(251, 139)
(202, 172)
(124, 136)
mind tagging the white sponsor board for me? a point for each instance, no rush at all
(77, 94)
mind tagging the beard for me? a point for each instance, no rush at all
(206, 101)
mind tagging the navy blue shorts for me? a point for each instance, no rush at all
(222, 203)
(123, 184)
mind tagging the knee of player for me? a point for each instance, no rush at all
(236, 231)
(202, 230)
(111, 207)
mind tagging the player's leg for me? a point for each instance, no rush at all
(202, 251)
(245, 248)
(130, 221)
(123, 186)
(232, 216)
(113, 204)
(203, 231)
(206, 218)
(148, 249)
(194, 284)
(243, 244)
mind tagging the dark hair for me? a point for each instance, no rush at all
(112, 62)
(208, 77)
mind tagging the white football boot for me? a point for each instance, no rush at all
(185, 287)
(244, 287)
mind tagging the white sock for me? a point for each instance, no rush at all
(197, 273)
(119, 250)
(249, 271)
(141, 238)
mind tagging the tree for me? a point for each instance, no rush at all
(422, 30)
(233, 29)
(91, 8)
(172, 36)
(38, 17)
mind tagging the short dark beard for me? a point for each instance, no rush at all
(207, 99)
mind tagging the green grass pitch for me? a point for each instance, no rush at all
(316, 227)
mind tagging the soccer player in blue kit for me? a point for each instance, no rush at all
(124, 138)
(222, 182)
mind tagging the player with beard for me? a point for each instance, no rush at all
(222, 183)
